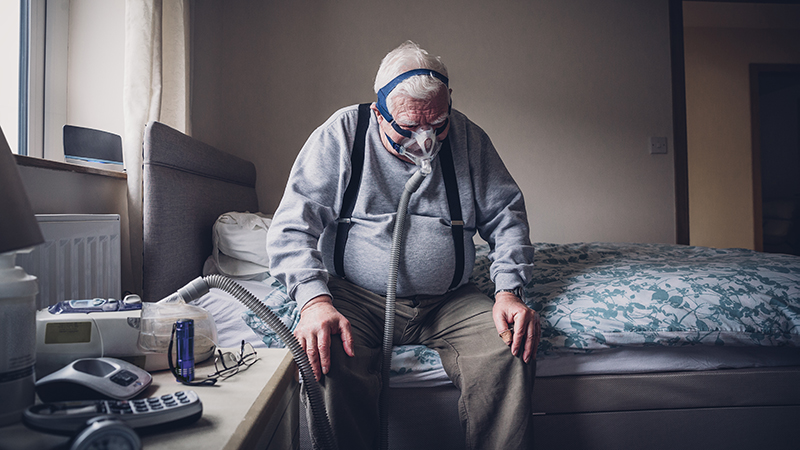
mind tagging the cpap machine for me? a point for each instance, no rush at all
(75, 329)
(128, 330)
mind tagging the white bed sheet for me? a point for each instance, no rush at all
(228, 315)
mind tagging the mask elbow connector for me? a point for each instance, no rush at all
(425, 166)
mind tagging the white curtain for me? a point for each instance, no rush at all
(156, 87)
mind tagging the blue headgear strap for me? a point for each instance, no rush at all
(386, 90)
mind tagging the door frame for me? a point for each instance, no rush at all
(680, 139)
(755, 128)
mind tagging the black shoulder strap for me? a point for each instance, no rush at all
(351, 192)
(454, 203)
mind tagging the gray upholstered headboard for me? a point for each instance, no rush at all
(187, 185)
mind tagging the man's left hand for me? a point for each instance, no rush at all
(511, 315)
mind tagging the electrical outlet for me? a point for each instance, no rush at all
(658, 145)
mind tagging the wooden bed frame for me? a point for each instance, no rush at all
(188, 184)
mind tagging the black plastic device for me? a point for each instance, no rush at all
(93, 379)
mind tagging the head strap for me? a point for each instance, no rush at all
(386, 90)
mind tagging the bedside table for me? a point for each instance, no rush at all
(256, 408)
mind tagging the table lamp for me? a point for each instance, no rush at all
(19, 231)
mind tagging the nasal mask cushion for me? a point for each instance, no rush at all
(419, 146)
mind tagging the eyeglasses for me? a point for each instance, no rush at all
(226, 364)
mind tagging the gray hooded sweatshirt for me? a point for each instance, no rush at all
(301, 237)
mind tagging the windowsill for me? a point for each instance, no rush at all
(69, 167)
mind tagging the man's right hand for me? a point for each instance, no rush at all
(319, 320)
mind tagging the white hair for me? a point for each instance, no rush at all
(409, 56)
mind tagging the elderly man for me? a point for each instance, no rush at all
(338, 274)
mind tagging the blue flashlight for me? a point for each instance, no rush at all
(184, 335)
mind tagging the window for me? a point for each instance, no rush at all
(9, 75)
(69, 62)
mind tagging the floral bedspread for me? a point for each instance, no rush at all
(594, 296)
(600, 295)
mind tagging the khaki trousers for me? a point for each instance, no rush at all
(496, 387)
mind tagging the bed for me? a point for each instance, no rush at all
(644, 345)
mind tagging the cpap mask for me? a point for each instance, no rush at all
(420, 146)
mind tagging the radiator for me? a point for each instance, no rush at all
(80, 258)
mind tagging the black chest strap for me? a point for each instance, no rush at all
(351, 193)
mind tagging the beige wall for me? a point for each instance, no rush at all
(721, 208)
(569, 91)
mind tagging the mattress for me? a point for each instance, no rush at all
(419, 366)
(605, 309)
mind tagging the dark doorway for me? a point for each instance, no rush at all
(775, 103)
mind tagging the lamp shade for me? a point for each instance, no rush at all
(18, 226)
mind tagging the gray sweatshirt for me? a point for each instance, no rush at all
(301, 237)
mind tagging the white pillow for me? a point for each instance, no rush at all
(239, 245)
